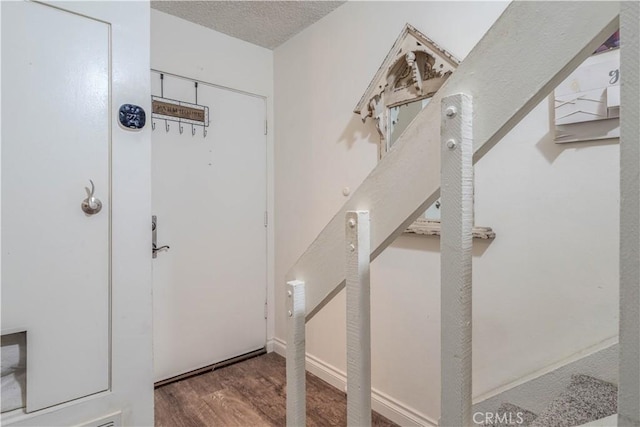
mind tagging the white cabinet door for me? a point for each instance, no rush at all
(55, 138)
(209, 194)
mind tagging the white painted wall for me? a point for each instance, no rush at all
(190, 50)
(545, 289)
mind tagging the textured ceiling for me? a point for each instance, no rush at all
(265, 23)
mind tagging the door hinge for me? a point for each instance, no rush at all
(265, 310)
(266, 218)
(266, 127)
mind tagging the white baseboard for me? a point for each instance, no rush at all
(280, 347)
(270, 345)
(382, 403)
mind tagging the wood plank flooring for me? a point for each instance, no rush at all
(247, 394)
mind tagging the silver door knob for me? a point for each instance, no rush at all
(91, 205)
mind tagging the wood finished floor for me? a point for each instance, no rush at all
(247, 394)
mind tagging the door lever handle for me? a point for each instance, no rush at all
(155, 248)
(154, 238)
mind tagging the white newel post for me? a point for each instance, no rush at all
(296, 384)
(455, 247)
(358, 319)
(629, 382)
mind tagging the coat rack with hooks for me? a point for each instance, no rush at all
(172, 110)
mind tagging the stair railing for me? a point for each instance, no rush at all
(629, 336)
(514, 66)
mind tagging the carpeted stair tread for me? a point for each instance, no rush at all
(585, 399)
(509, 415)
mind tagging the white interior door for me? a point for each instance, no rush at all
(55, 138)
(209, 195)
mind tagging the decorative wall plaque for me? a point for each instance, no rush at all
(587, 104)
(170, 109)
(179, 111)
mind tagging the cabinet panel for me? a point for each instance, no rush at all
(55, 139)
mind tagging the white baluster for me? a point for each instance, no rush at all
(358, 319)
(629, 382)
(455, 247)
(296, 380)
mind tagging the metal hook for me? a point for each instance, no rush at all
(166, 125)
(91, 205)
(193, 130)
(180, 128)
(153, 125)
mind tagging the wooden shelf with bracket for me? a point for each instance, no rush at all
(428, 227)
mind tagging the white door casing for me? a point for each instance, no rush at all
(209, 195)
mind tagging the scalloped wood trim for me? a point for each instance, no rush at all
(428, 227)
(426, 44)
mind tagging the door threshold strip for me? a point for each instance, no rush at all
(212, 367)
